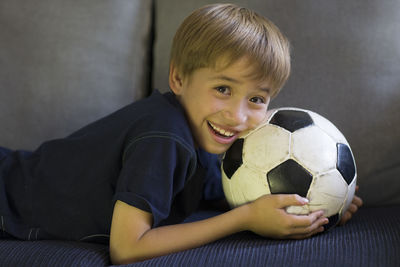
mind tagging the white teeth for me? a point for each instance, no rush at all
(221, 131)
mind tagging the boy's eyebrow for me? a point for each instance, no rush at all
(230, 79)
(226, 78)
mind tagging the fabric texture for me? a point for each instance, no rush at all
(65, 63)
(52, 253)
(371, 238)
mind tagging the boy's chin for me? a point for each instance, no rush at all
(217, 149)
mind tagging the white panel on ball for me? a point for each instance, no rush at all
(328, 191)
(245, 185)
(350, 195)
(268, 141)
(328, 127)
(314, 149)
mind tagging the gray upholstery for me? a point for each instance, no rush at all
(64, 64)
(346, 67)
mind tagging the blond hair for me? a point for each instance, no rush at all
(230, 32)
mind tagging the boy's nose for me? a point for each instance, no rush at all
(236, 113)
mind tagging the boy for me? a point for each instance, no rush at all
(136, 173)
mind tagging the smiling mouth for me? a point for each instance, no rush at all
(219, 131)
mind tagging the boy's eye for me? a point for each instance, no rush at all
(223, 90)
(257, 100)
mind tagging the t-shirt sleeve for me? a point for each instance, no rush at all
(155, 168)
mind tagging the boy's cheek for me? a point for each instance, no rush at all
(268, 114)
(266, 117)
(244, 133)
(263, 119)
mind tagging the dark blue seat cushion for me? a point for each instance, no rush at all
(371, 238)
(52, 253)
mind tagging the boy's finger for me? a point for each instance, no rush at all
(311, 226)
(291, 200)
(315, 218)
(346, 216)
(352, 208)
(357, 201)
(303, 236)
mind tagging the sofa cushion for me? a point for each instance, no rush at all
(52, 253)
(371, 238)
(64, 64)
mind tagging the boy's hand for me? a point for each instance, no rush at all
(354, 206)
(269, 218)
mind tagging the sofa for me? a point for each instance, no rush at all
(64, 64)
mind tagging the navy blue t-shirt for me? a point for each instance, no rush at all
(142, 154)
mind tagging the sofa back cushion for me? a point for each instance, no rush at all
(346, 67)
(64, 64)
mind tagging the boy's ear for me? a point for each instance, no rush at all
(175, 80)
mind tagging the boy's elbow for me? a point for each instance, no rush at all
(118, 260)
(120, 256)
(123, 259)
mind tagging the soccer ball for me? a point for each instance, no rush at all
(295, 152)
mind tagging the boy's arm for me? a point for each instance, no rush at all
(132, 238)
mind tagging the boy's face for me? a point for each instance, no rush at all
(221, 104)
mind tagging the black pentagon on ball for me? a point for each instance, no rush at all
(291, 120)
(345, 162)
(289, 178)
(233, 158)
(333, 221)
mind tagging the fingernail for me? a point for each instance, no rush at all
(305, 200)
